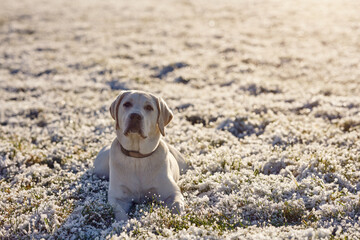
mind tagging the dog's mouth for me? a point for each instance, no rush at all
(131, 131)
(134, 128)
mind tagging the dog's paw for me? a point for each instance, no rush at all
(121, 216)
(177, 207)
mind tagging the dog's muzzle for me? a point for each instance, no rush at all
(135, 125)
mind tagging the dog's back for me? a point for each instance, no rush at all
(101, 163)
(179, 158)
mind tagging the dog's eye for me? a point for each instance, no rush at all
(127, 104)
(148, 108)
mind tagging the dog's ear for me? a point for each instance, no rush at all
(165, 115)
(114, 108)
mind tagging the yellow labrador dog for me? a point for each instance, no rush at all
(139, 164)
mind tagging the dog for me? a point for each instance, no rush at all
(140, 165)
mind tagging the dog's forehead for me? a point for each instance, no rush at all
(140, 98)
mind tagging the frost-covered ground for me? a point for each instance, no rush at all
(266, 102)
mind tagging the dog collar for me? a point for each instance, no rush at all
(135, 154)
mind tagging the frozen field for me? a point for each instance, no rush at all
(266, 102)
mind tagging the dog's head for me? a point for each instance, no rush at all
(140, 119)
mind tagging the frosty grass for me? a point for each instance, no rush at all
(267, 113)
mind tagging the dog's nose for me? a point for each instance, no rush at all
(135, 116)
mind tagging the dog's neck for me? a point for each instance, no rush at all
(135, 154)
(136, 144)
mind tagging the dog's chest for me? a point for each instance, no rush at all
(140, 180)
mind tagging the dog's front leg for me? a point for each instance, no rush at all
(121, 208)
(175, 202)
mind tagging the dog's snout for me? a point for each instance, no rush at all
(136, 116)
(134, 124)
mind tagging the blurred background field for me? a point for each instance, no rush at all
(265, 95)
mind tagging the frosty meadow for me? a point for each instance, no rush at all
(265, 95)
